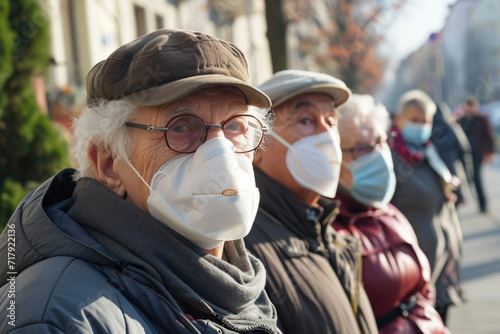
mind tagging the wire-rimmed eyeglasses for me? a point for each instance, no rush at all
(185, 133)
(363, 149)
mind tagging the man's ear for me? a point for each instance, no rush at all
(104, 168)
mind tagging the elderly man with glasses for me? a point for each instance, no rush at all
(146, 236)
(314, 276)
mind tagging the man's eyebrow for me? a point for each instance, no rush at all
(165, 114)
(307, 103)
(180, 109)
(301, 104)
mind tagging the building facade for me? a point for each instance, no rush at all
(454, 52)
(84, 32)
(483, 51)
(462, 59)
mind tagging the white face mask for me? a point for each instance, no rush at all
(208, 196)
(314, 162)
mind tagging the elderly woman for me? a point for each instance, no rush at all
(396, 273)
(424, 194)
(146, 237)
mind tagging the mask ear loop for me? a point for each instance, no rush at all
(346, 165)
(280, 139)
(348, 168)
(139, 175)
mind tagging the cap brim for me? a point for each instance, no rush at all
(340, 94)
(175, 90)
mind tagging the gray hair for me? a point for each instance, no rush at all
(103, 124)
(362, 108)
(416, 98)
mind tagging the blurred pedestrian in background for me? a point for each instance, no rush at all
(453, 147)
(396, 273)
(313, 274)
(423, 193)
(478, 129)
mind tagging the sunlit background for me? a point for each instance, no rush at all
(448, 48)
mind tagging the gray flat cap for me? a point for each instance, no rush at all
(286, 84)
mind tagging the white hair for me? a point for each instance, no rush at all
(103, 124)
(361, 109)
(416, 98)
(262, 114)
(265, 116)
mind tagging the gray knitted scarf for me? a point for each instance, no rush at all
(231, 289)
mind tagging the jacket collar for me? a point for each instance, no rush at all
(306, 221)
(44, 230)
(231, 289)
(411, 154)
(86, 220)
(351, 211)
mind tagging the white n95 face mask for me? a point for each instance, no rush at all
(314, 162)
(208, 196)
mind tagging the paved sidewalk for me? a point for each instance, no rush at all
(481, 266)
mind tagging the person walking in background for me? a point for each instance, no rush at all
(478, 129)
(453, 147)
(313, 274)
(396, 273)
(423, 194)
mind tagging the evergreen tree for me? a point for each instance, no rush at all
(31, 148)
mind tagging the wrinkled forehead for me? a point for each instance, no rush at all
(230, 97)
(323, 103)
(313, 99)
(360, 131)
(415, 112)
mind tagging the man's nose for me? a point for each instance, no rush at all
(323, 126)
(214, 131)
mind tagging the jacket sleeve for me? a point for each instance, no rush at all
(426, 289)
(488, 142)
(424, 316)
(36, 328)
(65, 295)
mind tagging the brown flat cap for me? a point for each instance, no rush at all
(168, 64)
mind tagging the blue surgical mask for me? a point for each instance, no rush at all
(417, 133)
(374, 181)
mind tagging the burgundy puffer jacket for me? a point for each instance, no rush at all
(394, 267)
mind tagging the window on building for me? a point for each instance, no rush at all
(140, 20)
(159, 22)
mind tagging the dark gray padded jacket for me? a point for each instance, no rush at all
(58, 277)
